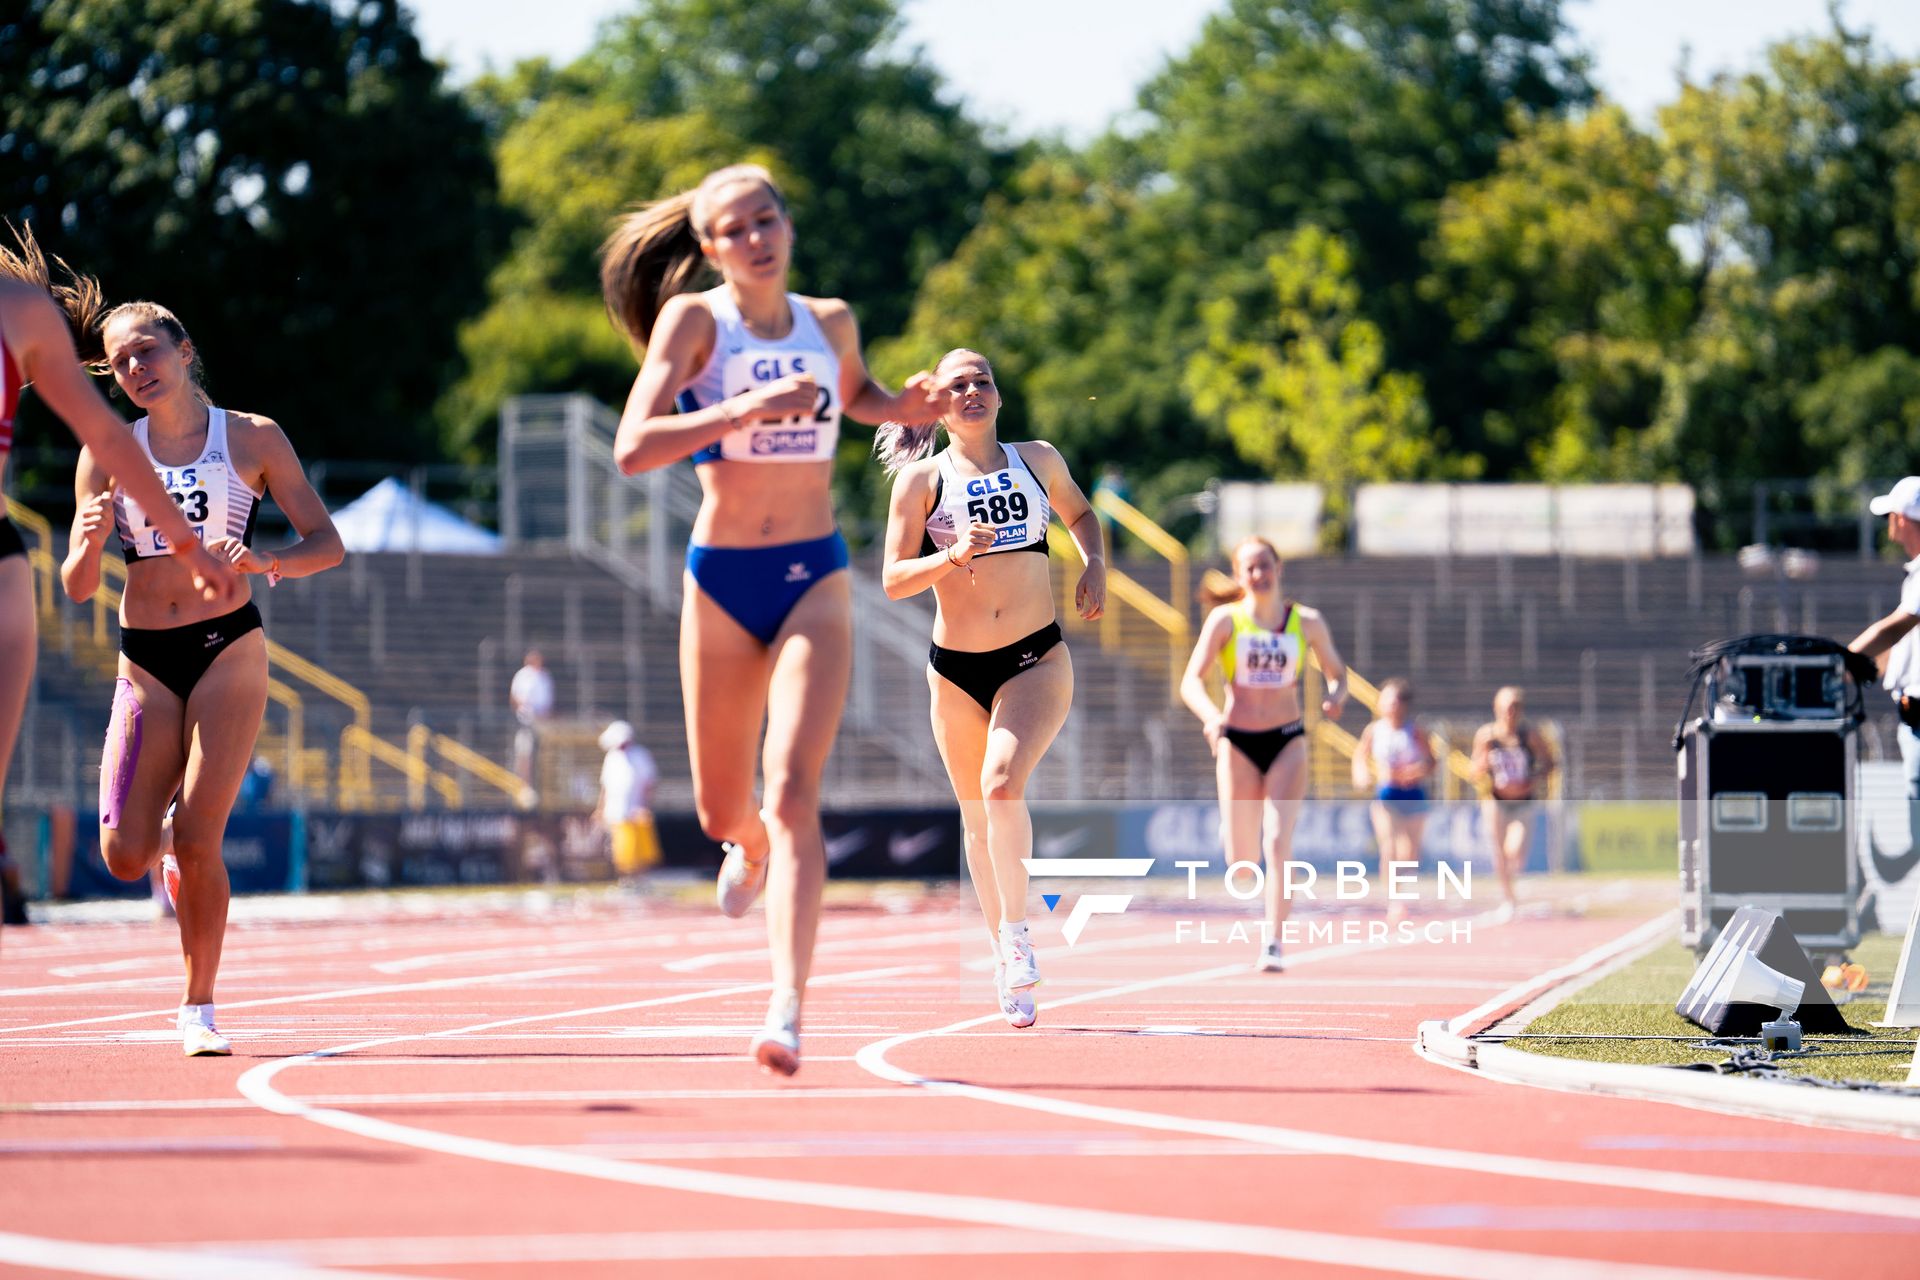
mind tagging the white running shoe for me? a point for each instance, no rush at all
(777, 1047)
(1503, 914)
(170, 879)
(199, 1040)
(1016, 955)
(740, 881)
(1018, 1006)
(1270, 961)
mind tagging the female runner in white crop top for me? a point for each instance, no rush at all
(193, 676)
(751, 382)
(968, 523)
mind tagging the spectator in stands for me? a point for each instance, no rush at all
(41, 324)
(970, 524)
(751, 381)
(1895, 635)
(1259, 639)
(1394, 760)
(1513, 762)
(193, 674)
(531, 694)
(627, 776)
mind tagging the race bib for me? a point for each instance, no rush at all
(806, 437)
(1266, 660)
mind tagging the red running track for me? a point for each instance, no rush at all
(524, 1087)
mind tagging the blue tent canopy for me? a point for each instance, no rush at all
(388, 517)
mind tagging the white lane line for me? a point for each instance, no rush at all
(346, 993)
(1642, 936)
(1323, 1248)
(503, 1096)
(151, 1264)
(131, 1146)
(1796, 1195)
(693, 964)
(670, 1246)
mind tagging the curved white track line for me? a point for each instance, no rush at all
(873, 1058)
(82, 1258)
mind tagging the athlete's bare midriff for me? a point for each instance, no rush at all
(1008, 597)
(763, 504)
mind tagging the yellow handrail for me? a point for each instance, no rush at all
(417, 771)
(296, 729)
(493, 774)
(39, 557)
(1126, 590)
(1158, 540)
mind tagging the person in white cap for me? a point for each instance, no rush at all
(626, 801)
(1895, 636)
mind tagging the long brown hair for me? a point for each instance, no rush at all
(654, 251)
(898, 443)
(79, 296)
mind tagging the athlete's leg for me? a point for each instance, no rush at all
(140, 771)
(222, 722)
(1519, 835)
(1496, 825)
(960, 731)
(1240, 787)
(723, 684)
(1027, 714)
(19, 645)
(812, 662)
(1286, 789)
(1407, 831)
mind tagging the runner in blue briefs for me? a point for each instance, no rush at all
(1394, 760)
(751, 382)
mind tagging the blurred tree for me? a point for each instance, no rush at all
(566, 168)
(1302, 384)
(292, 178)
(1563, 284)
(895, 174)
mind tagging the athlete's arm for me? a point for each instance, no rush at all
(1193, 683)
(651, 433)
(1363, 758)
(865, 400)
(1483, 751)
(319, 547)
(1545, 765)
(1320, 636)
(92, 522)
(1083, 524)
(905, 572)
(43, 345)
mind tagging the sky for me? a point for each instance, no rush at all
(1071, 66)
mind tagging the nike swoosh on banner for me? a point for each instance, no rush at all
(903, 849)
(841, 847)
(1059, 846)
(1892, 870)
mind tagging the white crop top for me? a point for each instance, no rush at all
(1011, 499)
(742, 360)
(1396, 748)
(215, 501)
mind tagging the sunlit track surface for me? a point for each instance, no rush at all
(515, 1085)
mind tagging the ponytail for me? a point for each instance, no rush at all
(898, 443)
(79, 296)
(654, 252)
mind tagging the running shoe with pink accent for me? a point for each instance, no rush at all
(1018, 1006)
(777, 1047)
(1016, 956)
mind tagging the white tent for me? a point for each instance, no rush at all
(388, 517)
